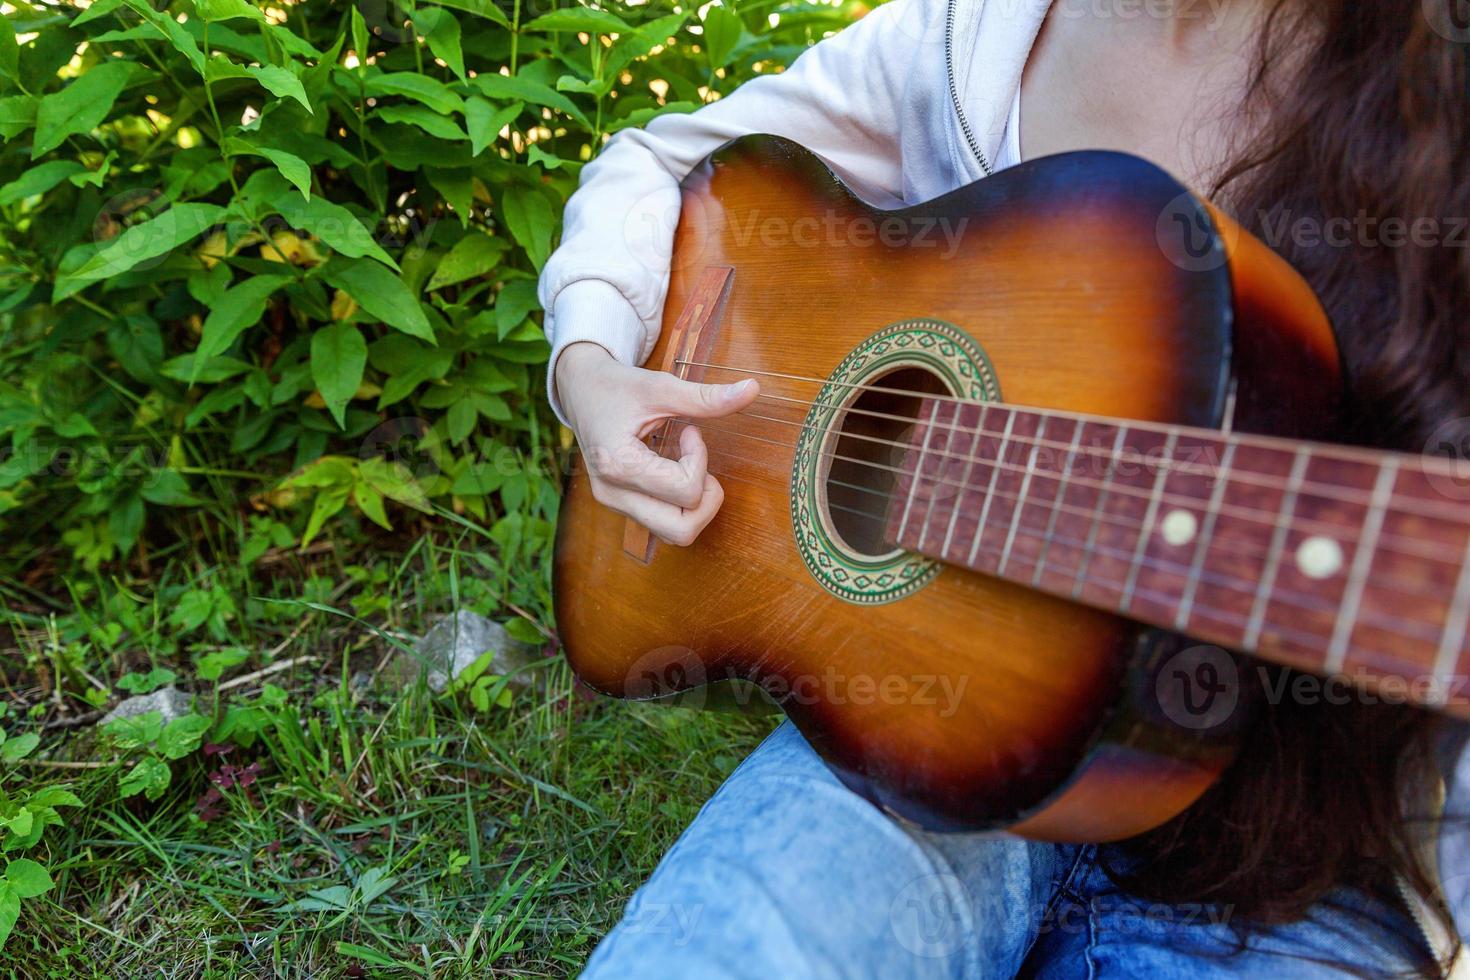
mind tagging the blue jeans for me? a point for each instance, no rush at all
(785, 873)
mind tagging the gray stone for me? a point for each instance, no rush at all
(457, 641)
(169, 701)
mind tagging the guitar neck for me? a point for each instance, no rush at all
(1331, 559)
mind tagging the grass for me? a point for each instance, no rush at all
(390, 831)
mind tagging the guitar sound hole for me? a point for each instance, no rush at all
(866, 453)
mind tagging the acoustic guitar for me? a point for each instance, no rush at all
(1030, 463)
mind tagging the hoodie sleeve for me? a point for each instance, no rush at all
(841, 99)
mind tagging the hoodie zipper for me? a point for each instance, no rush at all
(954, 89)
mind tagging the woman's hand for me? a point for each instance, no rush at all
(613, 407)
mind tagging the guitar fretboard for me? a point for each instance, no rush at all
(1335, 560)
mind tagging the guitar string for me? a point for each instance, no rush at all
(1399, 585)
(1300, 600)
(1219, 615)
(1410, 546)
(1390, 542)
(1444, 467)
(1410, 505)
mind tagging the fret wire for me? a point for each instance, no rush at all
(994, 477)
(1346, 495)
(918, 471)
(933, 499)
(1149, 518)
(1347, 615)
(954, 515)
(1102, 502)
(1005, 555)
(1447, 468)
(1405, 546)
(1056, 509)
(1278, 545)
(1206, 538)
(1456, 624)
(1407, 629)
(1402, 586)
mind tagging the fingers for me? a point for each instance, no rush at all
(671, 524)
(637, 468)
(674, 396)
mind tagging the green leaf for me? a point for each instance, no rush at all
(580, 19)
(19, 747)
(442, 33)
(212, 666)
(217, 10)
(485, 122)
(38, 179)
(17, 114)
(429, 120)
(28, 878)
(722, 30)
(139, 730)
(142, 242)
(239, 308)
(333, 224)
(338, 357)
(523, 89)
(281, 83)
(168, 488)
(327, 503)
(9, 50)
(421, 88)
(54, 796)
(183, 735)
(457, 188)
(550, 161)
(460, 421)
(99, 9)
(171, 29)
(136, 683)
(149, 777)
(473, 255)
(360, 38)
(370, 502)
(9, 909)
(529, 217)
(79, 107)
(381, 294)
(516, 300)
(480, 8)
(22, 823)
(394, 481)
(291, 166)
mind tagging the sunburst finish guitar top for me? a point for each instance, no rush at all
(985, 489)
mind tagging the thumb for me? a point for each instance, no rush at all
(705, 401)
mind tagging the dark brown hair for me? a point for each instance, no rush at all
(1365, 116)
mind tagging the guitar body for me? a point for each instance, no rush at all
(1090, 283)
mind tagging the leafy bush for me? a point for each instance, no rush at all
(279, 260)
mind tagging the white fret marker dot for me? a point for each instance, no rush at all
(1319, 557)
(1179, 527)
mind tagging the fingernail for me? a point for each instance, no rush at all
(741, 388)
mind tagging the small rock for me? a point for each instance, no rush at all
(360, 682)
(457, 641)
(169, 701)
